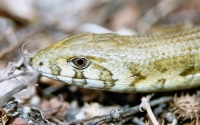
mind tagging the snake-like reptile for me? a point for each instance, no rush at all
(124, 63)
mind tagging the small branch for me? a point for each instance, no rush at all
(8, 96)
(123, 114)
(135, 109)
(15, 75)
(145, 105)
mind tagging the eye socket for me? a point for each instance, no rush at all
(80, 62)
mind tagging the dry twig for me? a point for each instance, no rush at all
(8, 96)
(124, 115)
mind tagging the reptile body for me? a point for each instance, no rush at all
(124, 63)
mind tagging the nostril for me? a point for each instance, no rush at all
(41, 63)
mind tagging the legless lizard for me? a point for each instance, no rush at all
(124, 63)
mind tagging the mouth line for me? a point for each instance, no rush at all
(60, 78)
(85, 83)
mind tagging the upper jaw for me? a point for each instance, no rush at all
(85, 83)
(60, 78)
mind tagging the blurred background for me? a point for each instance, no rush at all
(43, 22)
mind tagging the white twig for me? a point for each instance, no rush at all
(145, 105)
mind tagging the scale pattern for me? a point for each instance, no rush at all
(125, 63)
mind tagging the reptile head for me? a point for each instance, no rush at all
(89, 61)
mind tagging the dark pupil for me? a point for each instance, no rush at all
(80, 61)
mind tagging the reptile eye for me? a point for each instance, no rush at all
(80, 63)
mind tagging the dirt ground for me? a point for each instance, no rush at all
(28, 26)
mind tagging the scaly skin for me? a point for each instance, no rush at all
(125, 63)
